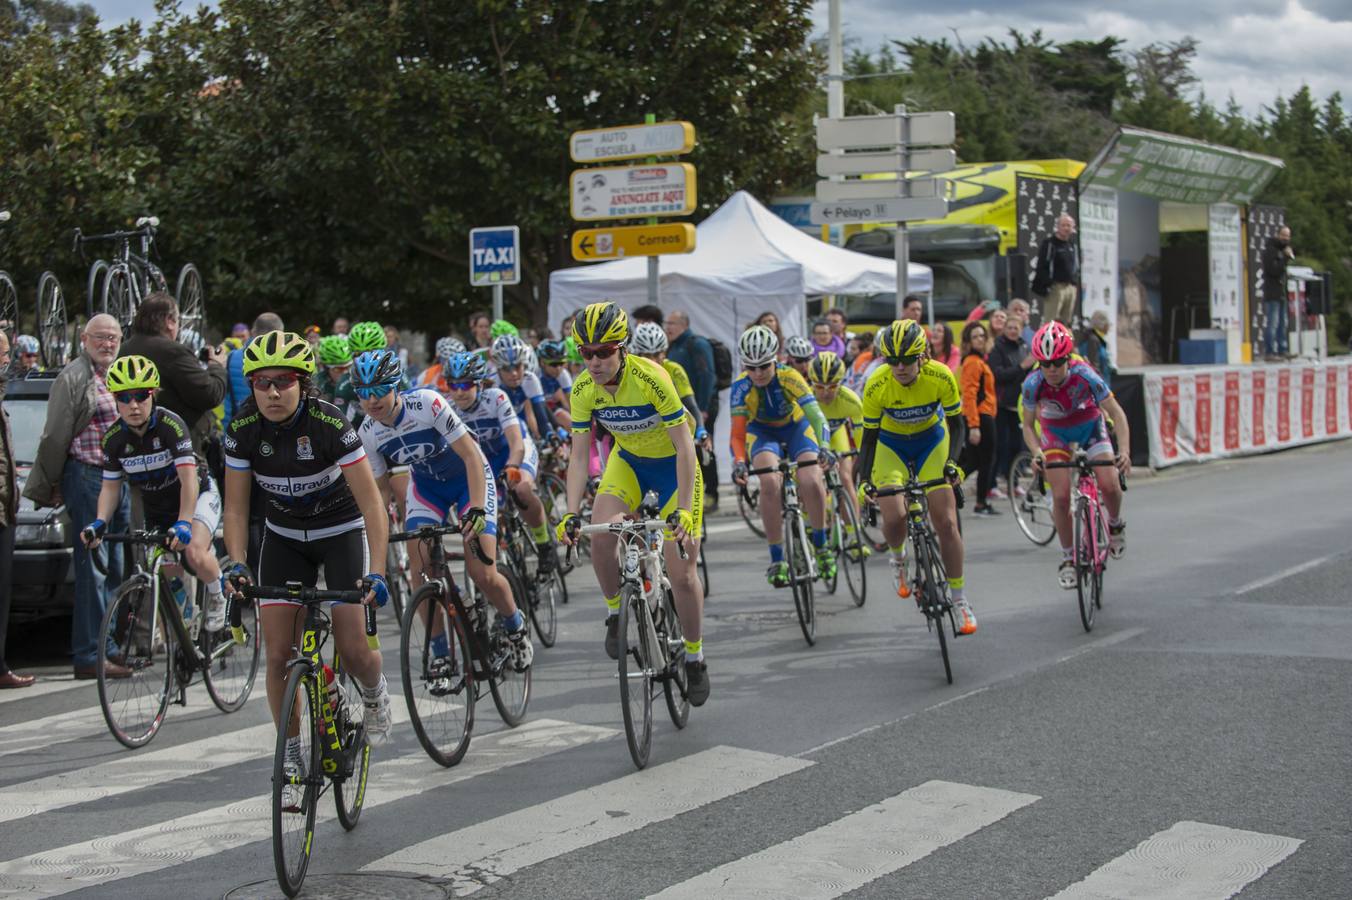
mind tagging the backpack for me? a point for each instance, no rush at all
(722, 364)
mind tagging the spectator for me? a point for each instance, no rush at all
(69, 470)
(1020, 311)
(839, 323)
(824, 339)
(25, 353)
(1276, 256)
(392, 344)
(770, 321)
(240, 332)
(186, 387)
(978, 407)
(312, 335)
(237, 386)
(998, 317)
(1094, 344)
(1057, 278)
(9, 508)
(855, 375)
(941, 347)
(1009, 361)
(340, 325)
(696, 356)
(646, 313)
(913, 308)
(480, 330)
(982, 308)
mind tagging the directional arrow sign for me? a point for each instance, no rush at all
(592, 244)
(909, 209)
(879, 189)
(870, 163)
(632, 142)
(934, 129)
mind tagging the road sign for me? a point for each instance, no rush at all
(633, 240)
(633, 192)
(870, 163)
(495, 256)
(879, 189)
(632, 142)
(908, 209)
(861, 132)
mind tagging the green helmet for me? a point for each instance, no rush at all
(130, 373)
(334, 350)
(279, 349)
(574, 355)
(366, 336)
(501, 327)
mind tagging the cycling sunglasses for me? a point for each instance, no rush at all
(605, 351)
(751, 368)
(1057, 363)
(374, 392)
(461, 385)
(132, 396)
(901, 360)
(280, 382)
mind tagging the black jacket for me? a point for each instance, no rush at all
(1058, 262)
(1004, 360)
(186, 386)
(1274, 270)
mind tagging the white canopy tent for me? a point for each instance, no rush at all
(746, 261)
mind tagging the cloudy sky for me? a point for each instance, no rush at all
(1253, 49)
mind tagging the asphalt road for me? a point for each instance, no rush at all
(1195, 744)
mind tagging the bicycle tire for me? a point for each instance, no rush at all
(52, 325)
(134, 707)
(1103, 554)
(1084, 564)
(98, 270)
(9, 306)
(510, 688)
(440, 703)
(349, 792)
(636, 671)
(800, 576)
(1033, 510)
(119, 296)
(292, 846)
(554, 494)
(834, 539)
(232, 668)
(748, 505)
(675, 686)
(192, 303)
(703, 564)
(544, 602)
(855, 569)
(933, 583)
(398, 579)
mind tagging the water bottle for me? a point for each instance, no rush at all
(332, 697)
(180, 592)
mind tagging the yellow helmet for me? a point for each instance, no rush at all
(601, 323)
(903, 339)
(826, 368)
(279, 349)
(130, 373)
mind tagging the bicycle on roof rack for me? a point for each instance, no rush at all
(119, 286)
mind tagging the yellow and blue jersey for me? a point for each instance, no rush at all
(644, 406)
(914, 408)
(782, 401)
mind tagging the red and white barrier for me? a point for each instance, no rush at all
(1196, 413)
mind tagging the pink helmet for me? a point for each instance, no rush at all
(1052, 341)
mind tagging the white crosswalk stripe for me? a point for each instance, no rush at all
(35, 734)
(48, 685)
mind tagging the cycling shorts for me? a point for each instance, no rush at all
(207, 511)
(797, 437)
(530, 460)
(430, 502)
(343, 557)
(898, 455)
(629, 477)
(1091, 435)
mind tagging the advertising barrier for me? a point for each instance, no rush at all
(1199, 413)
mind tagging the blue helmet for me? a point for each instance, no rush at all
(465, 367)
(375, 368)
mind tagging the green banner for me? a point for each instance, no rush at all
(1168, 167)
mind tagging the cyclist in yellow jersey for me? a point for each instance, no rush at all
(650, 342)
(773, 405)
(635, 400)
(844, 417)
(913, 423)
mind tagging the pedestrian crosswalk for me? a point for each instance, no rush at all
(879, 839)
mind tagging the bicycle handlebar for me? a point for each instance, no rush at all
(432, 532)
(640, 527)
(1081, 461)
(296, 592)
(911, 487)
(149, 538)
(785, 466)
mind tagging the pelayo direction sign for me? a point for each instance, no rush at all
(593, 244)
(631, 192)
(632, 142)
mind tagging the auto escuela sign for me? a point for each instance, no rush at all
(628, 192)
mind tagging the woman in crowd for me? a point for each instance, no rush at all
(771, 321)
(978, 408)
(941, 347)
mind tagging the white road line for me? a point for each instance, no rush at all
(852, 851)
(1190, 861)
(46, 684)
(35, 734)
(481, 854)
(1283, 574)
(724, 527)
(187, 838)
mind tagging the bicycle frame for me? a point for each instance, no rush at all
(788, 496)
(1085, 487)
(154, 572)
(641, 545)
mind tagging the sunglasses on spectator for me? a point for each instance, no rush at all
(604, 351)
(901, 360)
(104, 338)
(460, 385)
(751, 368)
(268, 382)
(132, 396)
(1057, 363)
(374, 392)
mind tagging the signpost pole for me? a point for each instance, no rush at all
(497, 302)
(901, 243)
(654, 279)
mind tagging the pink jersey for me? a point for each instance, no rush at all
(1077, 400)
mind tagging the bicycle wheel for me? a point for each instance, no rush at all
(397, 578)
(234, 666)
(545, 600)
(293, 826)
(134, 706)
(553, 492)
(9, 307)
(349, 792)
(1084, 563)
(510, 688)
(873, 530)
(852, 558)
(800, 575)
(53, 335)
(1101, 558)
(192, 303)
(1031, 501)
(98, 270)
(438, 674)
(748, 504)
(119, 296)
(636, 674)
(703, 566)
(834, 540)
(675, 684)
(933, 590)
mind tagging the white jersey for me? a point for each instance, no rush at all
(420, 439)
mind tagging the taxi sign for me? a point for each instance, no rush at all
(632, 192)
(495, 256)
(632, 142)
(593, 244)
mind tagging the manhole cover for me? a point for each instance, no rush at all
(352, 886)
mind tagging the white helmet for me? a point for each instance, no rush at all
(447, 347)
(798, 347)
(648, 338)
(758, 345)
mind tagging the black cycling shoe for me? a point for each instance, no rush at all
(696, 682)
(547, 562)
(613, 636)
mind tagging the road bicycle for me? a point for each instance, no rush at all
(1090, 530)
(327, 708)
(53, 323)
(1031, 501)
(748, 505)
(798, 550)
(398, 572)
(118, 287)
(652, 644)
(927, 578)
(543, 592)
(9, 296)
(844, 536)
(450, 651)
(164, 646)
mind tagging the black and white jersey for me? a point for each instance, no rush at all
(150, 461)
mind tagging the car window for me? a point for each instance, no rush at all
(26, 419)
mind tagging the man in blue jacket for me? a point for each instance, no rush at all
(696, 356)
(236, 385)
